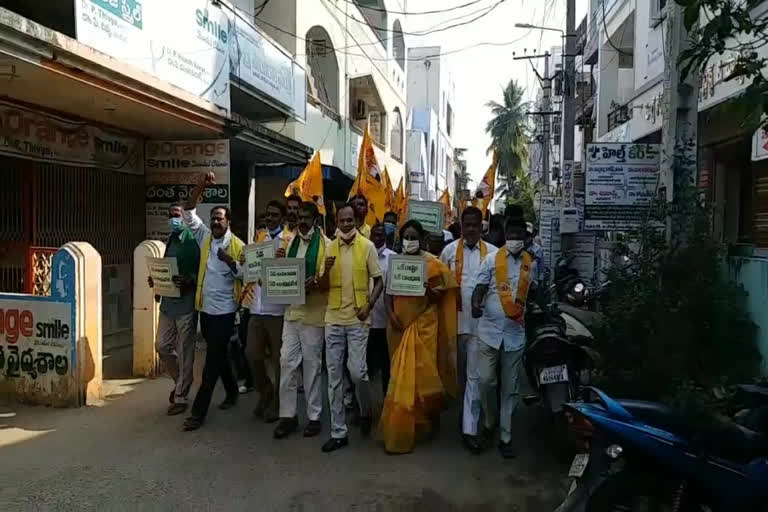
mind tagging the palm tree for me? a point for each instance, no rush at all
(509, 131)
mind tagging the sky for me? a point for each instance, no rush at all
(481, 73)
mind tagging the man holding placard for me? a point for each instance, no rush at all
(177, 323)
(464, 257)
(499, 301)
(351, 263)
(265, 323)
(302, 347)
(218, 291)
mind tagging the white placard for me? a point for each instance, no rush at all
(406, 276)
(621, 182)
(162, 270)
(254, 254)
(283, 281)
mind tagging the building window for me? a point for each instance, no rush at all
(432, 162)
(398, 45)
(375, 14)
(449, 119)
(323, 72)
(396, 136)
(657, 12)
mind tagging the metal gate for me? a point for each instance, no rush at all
(48, 205)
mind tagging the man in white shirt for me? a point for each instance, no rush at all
(499, 301)
(218, 289)
(265, 324)
(378, 348)
(464, 257)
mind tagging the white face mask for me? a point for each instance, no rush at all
(411, 246)
(346, 236)
(309, 234)
(515, 246)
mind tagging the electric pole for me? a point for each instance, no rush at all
(546, 84)
(569, 86)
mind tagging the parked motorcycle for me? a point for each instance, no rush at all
(647, 456)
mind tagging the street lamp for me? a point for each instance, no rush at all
(528, 25)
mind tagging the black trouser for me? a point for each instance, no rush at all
(242, 367)
(378, 356)
(217, 330)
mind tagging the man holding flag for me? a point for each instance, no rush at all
(368, 184)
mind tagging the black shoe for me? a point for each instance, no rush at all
(175, 409)
(270, 417)
(472, 443)
(334, 444)
(506, 450)
(228, 403)
(286, 427)
(312, 429)
(365, 425)
(192, 423)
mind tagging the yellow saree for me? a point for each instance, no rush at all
(423, 370)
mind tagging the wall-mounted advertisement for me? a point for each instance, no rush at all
(184, 42)
(173, 169)
(621, 181)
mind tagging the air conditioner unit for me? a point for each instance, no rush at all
(361, 110)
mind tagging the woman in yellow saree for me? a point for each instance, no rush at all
(422, 345)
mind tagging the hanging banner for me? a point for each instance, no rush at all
(27, 133)
(184, 42)
(173, 169)
(549, 229)
(621, 181)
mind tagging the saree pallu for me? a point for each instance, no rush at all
(423, 368)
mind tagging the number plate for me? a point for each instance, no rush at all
(554, 374)
(578, 465)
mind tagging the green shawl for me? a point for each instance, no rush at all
(310, 258)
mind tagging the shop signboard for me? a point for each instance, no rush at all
(258, 62)
(29, 134)
(173, 169)
(621, 181)
(760, 144)
(184, 42)
(583, 255)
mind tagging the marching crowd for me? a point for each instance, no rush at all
(454, 343)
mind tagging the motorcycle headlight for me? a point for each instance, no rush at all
(614, 451)
(576, 296)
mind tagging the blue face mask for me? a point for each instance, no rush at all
(389, 228)
(175, 224)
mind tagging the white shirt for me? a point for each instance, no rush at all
(259, 308)
(469, 270)
(379, 316)
(495, 327)
(219, 283)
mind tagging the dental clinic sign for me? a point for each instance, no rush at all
(184, 42)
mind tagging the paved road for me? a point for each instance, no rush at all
(127, 455)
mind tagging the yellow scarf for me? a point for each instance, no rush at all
(234, 251)
(460, 263)
(359, 272)
(514, 307)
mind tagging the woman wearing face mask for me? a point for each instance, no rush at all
(422, 344)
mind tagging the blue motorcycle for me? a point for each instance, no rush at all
(644, 456)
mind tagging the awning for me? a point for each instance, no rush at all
(256, 143)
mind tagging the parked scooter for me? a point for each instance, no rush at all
(646, 456)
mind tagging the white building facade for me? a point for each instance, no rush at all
(431, 100)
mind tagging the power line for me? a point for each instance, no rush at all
(422, 33)
(260, 9)
(408, 13)
(608, 36)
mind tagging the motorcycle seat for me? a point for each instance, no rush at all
(590, 319)
(709, 435)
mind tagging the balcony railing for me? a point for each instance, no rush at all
(618, 116)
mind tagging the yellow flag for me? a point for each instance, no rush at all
(309, 184)
(390, 199)
(401, 203)
(368, 181)
(445, 199)
(486, 188)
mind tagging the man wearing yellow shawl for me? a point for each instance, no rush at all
(422, 343)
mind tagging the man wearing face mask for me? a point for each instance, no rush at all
(499, 301)
(351, 263)
(177, 323)
(302, 347)
(464, 257)
(378, 350)
(390, 229)
(265, 322)
(219, 281)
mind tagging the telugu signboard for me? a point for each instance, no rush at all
(621, 181)
(184, 42)
(549, 228)
(173, 169)
(406, 276)
(26, 133)
(430, 214)
(283, 281)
